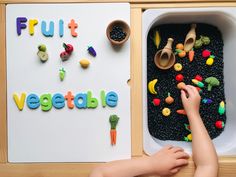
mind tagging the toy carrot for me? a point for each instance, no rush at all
(191, 55)
(113, 121)
(181, 111)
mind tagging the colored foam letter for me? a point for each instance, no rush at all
(111, 99)
(81, 100)
(58, 101)
(61, 28)
(103, 98)
(50, 31)
(46, 102)
(72, 25)
(20, 24)
(32, 23)
(32, 101)
(91, 102)
(69, 97)
(19, 102)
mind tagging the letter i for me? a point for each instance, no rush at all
(61, 28)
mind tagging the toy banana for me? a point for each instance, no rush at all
(151, 86)
(157, 39)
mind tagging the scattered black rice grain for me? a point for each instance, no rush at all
(172, 127)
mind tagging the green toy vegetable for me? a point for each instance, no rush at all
(212, 82)
(198, 44)
(205, 40)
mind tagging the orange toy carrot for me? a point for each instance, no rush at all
(181, 111)
(191, 55)
(113, 121)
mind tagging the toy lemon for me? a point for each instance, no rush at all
(84, 63)
(166, 112)
(178, 67)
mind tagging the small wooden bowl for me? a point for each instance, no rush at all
(125, 28)
(158, 64)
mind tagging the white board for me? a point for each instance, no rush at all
(67, 135)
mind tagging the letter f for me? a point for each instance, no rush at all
(20, 24)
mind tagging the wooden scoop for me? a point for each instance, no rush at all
(190, 38)
(165, 58)
(166, 53)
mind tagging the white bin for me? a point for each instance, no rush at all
(225, 19)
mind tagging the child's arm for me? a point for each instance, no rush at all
(167, 161)
(204, 154)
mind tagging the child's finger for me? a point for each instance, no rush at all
(181, 155)
(194, 89)
(189, 90)
(168, 147)
(183, 95)
(175, 170)
(181, 162)
(177, 149)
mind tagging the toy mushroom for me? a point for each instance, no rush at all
(212, 82)
(190, 38)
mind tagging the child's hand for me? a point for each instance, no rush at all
(168, 160)
(191, 100)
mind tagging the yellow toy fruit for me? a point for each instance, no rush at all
(178, 67)
(166, 112)
(189, 137)
(210, 61)
(151, 86)
(179, 46)
(84, 63)
(181, 85)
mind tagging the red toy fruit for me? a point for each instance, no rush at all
(219, 124)
(64, 56)
(68, 48)
(198, 77)
(206, 53)
(156, 102)
(179, 77)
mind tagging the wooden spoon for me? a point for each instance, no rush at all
(165, 58)
(190, 38)
(166, 53)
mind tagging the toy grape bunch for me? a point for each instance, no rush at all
(113, 134)
(92, 51)
(68, 51)
(42, 54)
(165, 58)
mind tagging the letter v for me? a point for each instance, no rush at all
(19, 102)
